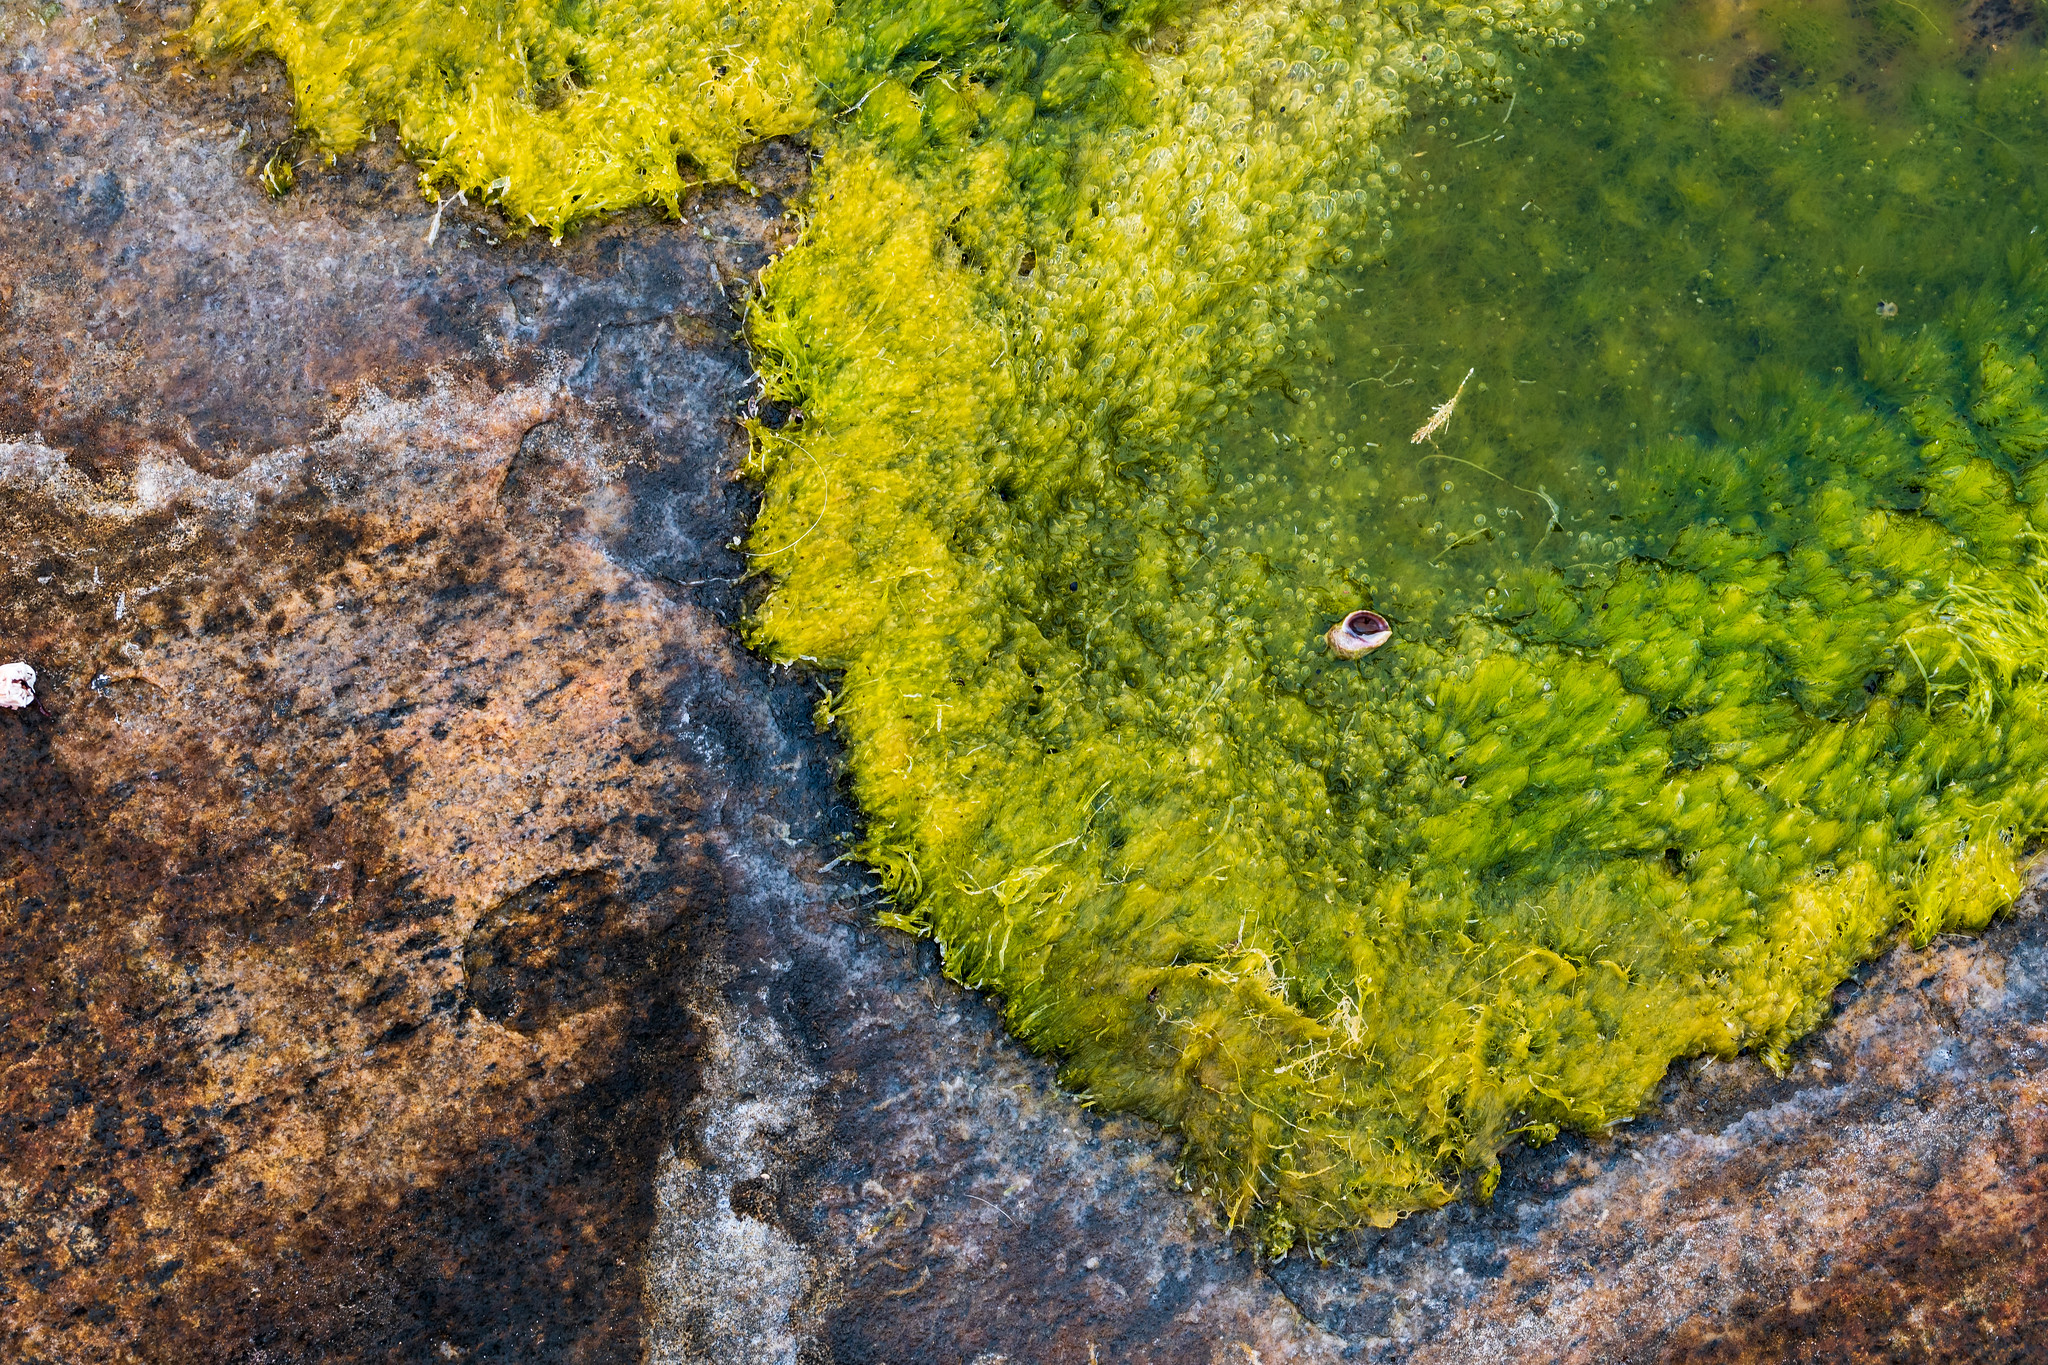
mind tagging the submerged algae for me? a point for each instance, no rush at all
(1351, 925)
(1069, 511)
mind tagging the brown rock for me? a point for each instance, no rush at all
(420, 935)
(345, 882)
(337, 883)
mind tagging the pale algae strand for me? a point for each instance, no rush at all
(1654, 753)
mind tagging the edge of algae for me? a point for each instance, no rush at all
(991, 839)
(1046, 253)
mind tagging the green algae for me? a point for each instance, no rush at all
(1717, 602)
(551, 109)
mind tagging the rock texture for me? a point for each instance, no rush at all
(421, 930)
(1882, 1201)
(350, 875)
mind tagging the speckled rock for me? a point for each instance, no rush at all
(422, 934)
(349, 876)
(279, 1010)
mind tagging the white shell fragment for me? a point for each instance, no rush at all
(1359, 634)
(17, 686)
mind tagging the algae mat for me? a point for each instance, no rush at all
(1111, 342)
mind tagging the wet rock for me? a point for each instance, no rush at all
(256, 1094)
(420, 930)
(349, 881)
(1881, 1201)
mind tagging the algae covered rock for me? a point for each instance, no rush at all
(1689, 705)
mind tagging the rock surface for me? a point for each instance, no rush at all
(423, 935)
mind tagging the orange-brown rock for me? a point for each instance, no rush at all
(336, 879)
(421, 934)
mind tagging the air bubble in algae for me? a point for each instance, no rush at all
(1093, 457)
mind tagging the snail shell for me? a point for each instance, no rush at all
(1359, 634)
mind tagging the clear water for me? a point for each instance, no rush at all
(1669, 231)
(1720, 627)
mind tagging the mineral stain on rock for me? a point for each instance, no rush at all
(551, 950)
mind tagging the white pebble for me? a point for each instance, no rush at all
(17, 686)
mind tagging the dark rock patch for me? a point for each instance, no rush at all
(2007, 21)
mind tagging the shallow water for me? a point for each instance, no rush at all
(1719, 627)
(1667, 226)
(1653, 757)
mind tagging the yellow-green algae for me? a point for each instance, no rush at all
(1719, 620)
